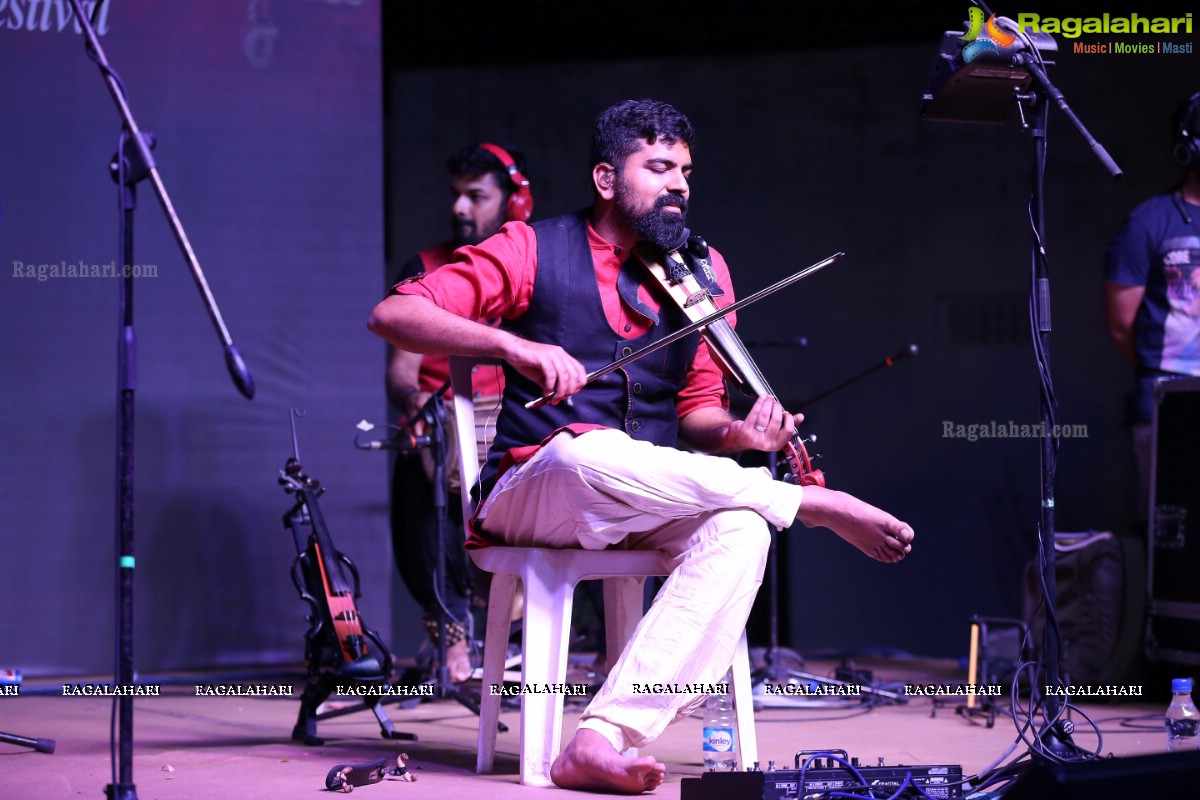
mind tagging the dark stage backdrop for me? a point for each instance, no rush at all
(800, 154)
(270, 141)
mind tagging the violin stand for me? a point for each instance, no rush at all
(320, 686)
(327, 670)
(41, 745)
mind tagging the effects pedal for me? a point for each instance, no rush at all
(823, 773)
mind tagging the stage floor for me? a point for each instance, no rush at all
(201, 748)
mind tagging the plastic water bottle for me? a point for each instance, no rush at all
(720, 731)
(1182, 718)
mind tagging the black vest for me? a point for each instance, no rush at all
(566, 310)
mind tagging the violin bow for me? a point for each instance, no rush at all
(698, 324)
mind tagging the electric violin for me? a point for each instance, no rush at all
(695, 298)
(328, 582)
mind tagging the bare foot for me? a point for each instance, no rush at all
(589, 762)
(872, 530)
(458, 659)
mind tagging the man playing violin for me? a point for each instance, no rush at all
(597, 466)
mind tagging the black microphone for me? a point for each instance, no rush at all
(403, 442)
(900, 355)
(406, 438)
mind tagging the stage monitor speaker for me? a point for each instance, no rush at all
(1166, 776)
(1173, 557)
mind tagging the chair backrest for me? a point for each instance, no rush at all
(466, 431)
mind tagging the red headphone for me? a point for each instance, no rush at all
(520, 203)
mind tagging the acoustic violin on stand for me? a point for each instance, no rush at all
(336, 651)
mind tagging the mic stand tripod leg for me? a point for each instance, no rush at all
(41, 745)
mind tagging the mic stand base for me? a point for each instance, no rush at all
(775, 668)
(1055, 740)
(121, 792)
(465, 698)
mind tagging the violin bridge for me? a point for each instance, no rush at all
(695, 297)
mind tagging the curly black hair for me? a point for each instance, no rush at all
(621, 129)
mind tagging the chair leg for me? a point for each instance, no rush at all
(548, 601)
(624, 605)
(743, 704)
(495, 648)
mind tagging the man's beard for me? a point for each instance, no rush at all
(662, 228)
(465, 231)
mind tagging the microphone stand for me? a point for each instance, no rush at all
(131, 164)
(773, 672)
(434, 414)
(890, 361)
(1054, 737)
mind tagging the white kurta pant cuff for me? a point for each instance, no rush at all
(614, 734)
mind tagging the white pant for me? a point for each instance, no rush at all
(707, 513)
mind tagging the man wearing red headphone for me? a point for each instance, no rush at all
(487, 188)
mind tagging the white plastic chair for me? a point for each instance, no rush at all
(549, 577)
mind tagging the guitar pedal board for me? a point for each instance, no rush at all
(824, 774)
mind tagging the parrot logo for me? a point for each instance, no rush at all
(983, 37)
